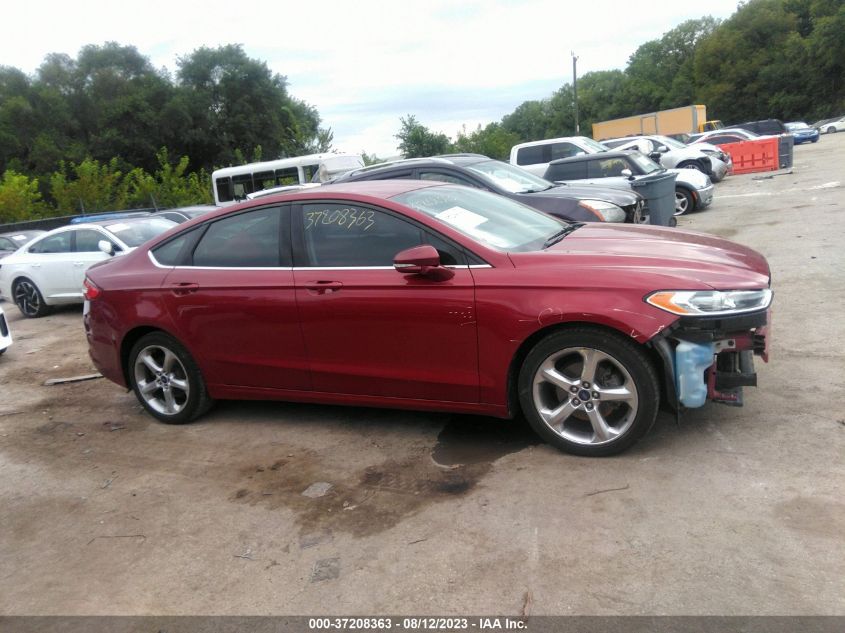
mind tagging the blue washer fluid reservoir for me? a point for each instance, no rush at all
(691, 359)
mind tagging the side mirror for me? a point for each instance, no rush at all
(106, 246)
(662, 149)
(627, 173)
(422, 260)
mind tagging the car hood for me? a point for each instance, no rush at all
(684, 153)
(654, 257)
(619, 196)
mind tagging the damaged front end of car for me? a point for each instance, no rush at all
(708, 353)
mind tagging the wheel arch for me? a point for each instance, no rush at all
(617, 329)
(128, 342)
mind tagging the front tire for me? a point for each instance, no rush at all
(166, 380)
(29, 299)
(588, 391)
(683, 201)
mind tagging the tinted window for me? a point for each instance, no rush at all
(722, 140)
(242, 185)
(7, 244)
(564, 150)
(309, 171)
(224, 189)
(441, 177)
(87, 241)
(392, 175)
(352, 236)
(567, 171)
(58, 243)
(605, 168)
(530, 155)
(245, 240)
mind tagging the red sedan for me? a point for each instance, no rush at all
(432, 296)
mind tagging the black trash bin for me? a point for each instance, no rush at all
(786, 143)
(658, 189)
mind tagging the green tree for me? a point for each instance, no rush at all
(492, 140)
(416, 140)
(20, 198)
(89, 187)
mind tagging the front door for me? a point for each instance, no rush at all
(371, 330)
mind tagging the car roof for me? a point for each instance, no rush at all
(440, 160)
(384, 189)
(112, 222)
(29, 232)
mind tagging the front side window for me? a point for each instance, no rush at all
(245, 240)
(58, 243)
(575, 170)
(88, 241)
(564, 150)
(350, 235)
(606, 168)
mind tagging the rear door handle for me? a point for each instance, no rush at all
(323, 287)
(184, 288)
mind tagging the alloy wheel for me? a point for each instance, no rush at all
(27, 298)
(681, 203)
(585, 396)
(162, 380)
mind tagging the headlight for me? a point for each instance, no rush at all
(607, 211)
(710, 302)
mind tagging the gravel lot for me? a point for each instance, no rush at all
(734, 511)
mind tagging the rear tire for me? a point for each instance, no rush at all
(166, 379)
(589, 391)
(29, 299)
(831, 130)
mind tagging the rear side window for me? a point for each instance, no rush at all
(246, 240)
(58, 243)
(531, 155)
(567, 171)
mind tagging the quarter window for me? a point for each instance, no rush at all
(58, 243)
(246, 240)
(354, 236)
(530, 155)
(605, 168)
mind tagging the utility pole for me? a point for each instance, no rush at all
(575, 90)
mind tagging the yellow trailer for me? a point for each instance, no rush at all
(686, 120)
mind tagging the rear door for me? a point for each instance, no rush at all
(232, 299)
(369, 330)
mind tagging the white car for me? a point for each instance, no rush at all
(837, 125)
(50, 269)
(673, 154)
(5, 333)
(535, 156)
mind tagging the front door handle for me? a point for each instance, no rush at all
(183, 288)
(323, 287)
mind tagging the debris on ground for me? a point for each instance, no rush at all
(62, 381)
(326, 569)
(316, 490)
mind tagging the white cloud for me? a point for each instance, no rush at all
(358, 62)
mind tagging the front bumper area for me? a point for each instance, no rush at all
(704, 196)
(711, 358)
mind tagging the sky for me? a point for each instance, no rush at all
(363, 63)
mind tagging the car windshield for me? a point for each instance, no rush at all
(645, 163)
(510, 178)
(669, 142)
(798, 125)
(497, 222)
(137, 232)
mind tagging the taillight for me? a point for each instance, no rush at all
(90, 290)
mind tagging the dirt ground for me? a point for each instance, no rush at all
(734, 511)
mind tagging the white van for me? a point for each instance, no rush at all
(233, 184)
(535, 156)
